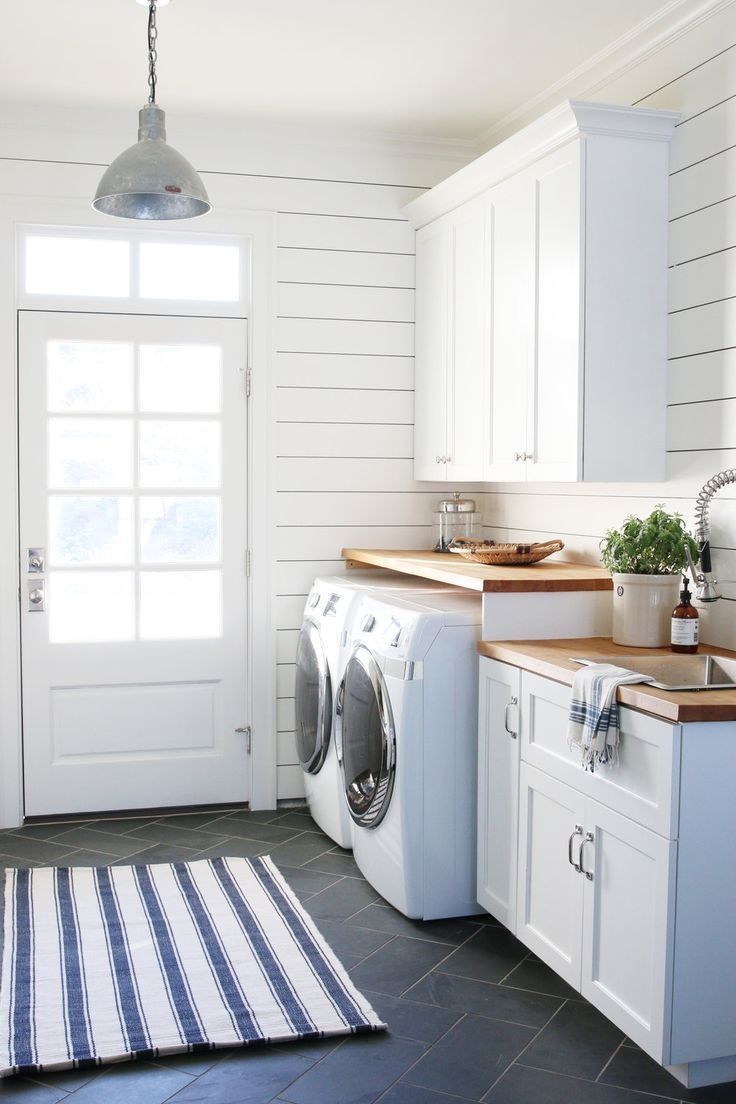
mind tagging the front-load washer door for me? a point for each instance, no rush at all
(368, 739)
(313, 695)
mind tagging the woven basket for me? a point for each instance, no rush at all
(493, 554)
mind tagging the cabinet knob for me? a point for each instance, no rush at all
(528, 456)
(448, 459)
(518, 456)
(438, 459)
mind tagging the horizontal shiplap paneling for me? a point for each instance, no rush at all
(348, 405)
(363, 508)
(388, 373)
(706, 231)
(703, 281)
(371, 235)
(341, 266)
(344, 439)
(710, 376)
(322, 542)
(290, 782)
(336, 301)
(336, 335)
(322, 474)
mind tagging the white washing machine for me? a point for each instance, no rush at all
(320, 660)
(407, 724)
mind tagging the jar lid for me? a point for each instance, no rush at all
(456, 505)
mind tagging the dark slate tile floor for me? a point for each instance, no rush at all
(472, 1015)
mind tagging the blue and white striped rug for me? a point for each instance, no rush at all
(112, 963)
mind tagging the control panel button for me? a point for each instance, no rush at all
(368, 623)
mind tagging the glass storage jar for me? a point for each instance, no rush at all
(455, 517)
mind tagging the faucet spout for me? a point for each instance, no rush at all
(706, 590)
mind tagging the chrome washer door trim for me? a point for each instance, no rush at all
(310, 632)
(368, 796)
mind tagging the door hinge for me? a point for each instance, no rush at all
(248, 381)
(248, 562)
(247, 731)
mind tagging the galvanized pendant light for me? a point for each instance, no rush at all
(150, 180)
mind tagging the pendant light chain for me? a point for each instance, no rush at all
(152, 52)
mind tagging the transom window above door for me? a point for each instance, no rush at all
(150, 270)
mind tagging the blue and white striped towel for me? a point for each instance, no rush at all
(593, 722)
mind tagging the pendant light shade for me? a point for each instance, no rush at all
(151, 180)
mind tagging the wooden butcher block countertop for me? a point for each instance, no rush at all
(551, 658)
(445, 567)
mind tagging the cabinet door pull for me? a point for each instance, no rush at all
(588, 838)
(517, 456)
(578, 831)
(511, 732)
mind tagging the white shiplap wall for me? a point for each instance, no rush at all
(345, 407)
(696, 75)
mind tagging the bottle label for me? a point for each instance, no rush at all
(684, 630)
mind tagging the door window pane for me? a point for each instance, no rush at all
(171, 270)
(179, 454)
(77, 266)
(90, 529)
(90, 452)
(88, 607)
(89, 376)
(180, 379)
(175, 530)
(180, 605)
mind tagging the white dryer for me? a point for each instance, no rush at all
(320, 660)
(407, 722)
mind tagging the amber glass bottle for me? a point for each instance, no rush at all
(685, 623)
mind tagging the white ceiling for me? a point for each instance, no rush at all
(432, 68)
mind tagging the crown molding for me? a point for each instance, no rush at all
(642, 41)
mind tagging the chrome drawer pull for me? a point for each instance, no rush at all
(511, 701)
(588, 838)
(577, 832)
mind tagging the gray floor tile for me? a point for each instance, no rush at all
(632, 1069)
(421, 1022)
(530, 1086)
(341, 900)
(307, 881)
(246, 828)
(41, 831)
(294, 818)
(348, 939)
(90, 858)
(179, 837)
(26, 1091)
(383, 917)
(401, 1093)
(533, 975)
(132, 1083)
(470, 1057)
(398, 965)
(488, 956)
(12, 862)
(334, 862)
(484, 998)
(300, 849)
(235, 848)
(246, 1076)
(39, 851)
(577, 1041)
(194, 820)
(89, 839)
(160, 853)
(118, 826)
(356, 1072)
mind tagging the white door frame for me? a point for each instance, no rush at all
(259, 228)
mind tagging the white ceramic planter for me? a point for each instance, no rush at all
(642, 608)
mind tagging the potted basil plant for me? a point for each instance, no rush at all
(646, 557)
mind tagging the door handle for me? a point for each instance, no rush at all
(588, 838)
(511, 702)
(578, 831)
(37, 596)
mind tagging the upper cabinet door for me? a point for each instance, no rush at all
(554, 412)
(431, 352)
(512, 329)
(469, 352)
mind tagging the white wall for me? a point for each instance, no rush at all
(342, 436)
(696, 75)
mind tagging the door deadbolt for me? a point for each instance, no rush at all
(36, 560)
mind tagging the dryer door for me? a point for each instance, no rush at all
(368, 739)
(313, 693)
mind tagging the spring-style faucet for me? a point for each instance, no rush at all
(705, 586)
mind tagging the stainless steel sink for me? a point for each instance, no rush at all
(676, 672)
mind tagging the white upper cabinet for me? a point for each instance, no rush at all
(541, 304)
(452, 344)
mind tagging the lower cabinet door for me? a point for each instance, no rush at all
(498, 788)
(628, 926)
(550, 887)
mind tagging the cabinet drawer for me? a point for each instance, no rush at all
(644, 783)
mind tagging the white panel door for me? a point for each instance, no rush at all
(512, 327)
(133, 488)
(554, 415)
(469, 355)
(498, 788)
(431, 352)
(627, 926)
(550, 888)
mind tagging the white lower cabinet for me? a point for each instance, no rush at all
(621, 880)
